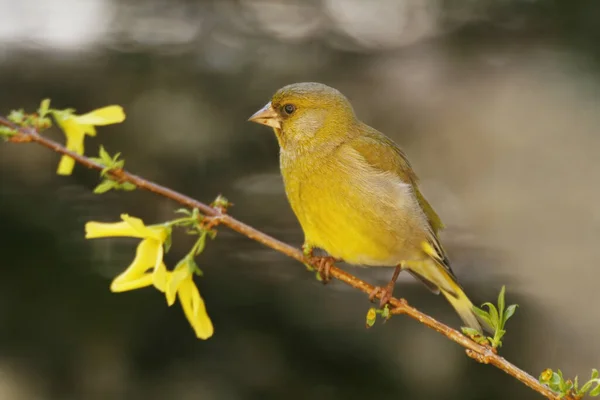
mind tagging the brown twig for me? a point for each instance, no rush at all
(480, 353)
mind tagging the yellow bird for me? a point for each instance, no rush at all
(355, 193)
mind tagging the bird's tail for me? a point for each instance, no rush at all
(437, 275)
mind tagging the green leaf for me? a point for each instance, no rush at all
(371, 317)
(44, 107)
(117, 164)
(595, 391)
(385, 313)
(501, 304)
(7, 132)
(470, 331)
(168, 240)
(194, 267)
(127, 186)
(586, 386)
(184, 211)
(594, 373)
(105, 186)
(201, 243)
(510, 310)
(104, 156)
(568, 385)
(484, 315)
(16, 116)
(493, 312)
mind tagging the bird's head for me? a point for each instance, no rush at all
(307, 115)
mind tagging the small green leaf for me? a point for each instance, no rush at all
(16, 116)
(595, 391)
(470, 331)
(184, 211)
(127, 186)
(168, 242)
(501, 303)
(105, 186)
(510, 310)
(117, 164)
(545, 376)
(105, 157)
(200, 243)
(576, 383)
(385, 313)
(475, 335)
(44, 107)
(7, 132)
(484, 315)
(193, 267)
(555, 381)
(371, 317)
(493, 313)
(594, 373)
(586, 386)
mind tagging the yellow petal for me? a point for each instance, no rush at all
(153, 231)
(160, 276)
(124, 285)
(194, 309)
(74, 135)
(95, 230)
(102, 116)
(88, 130)
(135, 276)
(179, 274)
(65, 166)
(129, 227)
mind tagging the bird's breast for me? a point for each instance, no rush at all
(353, 213)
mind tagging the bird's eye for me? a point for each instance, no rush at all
(289, 109)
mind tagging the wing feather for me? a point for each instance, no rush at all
(383, 154)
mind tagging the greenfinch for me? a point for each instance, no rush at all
(354, 192)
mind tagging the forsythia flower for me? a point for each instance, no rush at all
(181, 282)
(148, 269)
(149, 253)
(75, 127)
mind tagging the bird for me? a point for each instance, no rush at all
(355, 194)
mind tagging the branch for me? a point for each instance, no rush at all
(480, 353)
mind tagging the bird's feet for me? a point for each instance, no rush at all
(387, 292)
(324, 265)
(384, 293)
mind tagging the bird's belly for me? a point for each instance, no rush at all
(358, 227)
(353, 239)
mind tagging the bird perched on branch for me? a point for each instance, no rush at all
(354, 192)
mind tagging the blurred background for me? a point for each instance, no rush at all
(495, 102)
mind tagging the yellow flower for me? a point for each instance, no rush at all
(148, 269)
(181, 283)
(149, 253)
(75, 127)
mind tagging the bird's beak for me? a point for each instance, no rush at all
(266, 116)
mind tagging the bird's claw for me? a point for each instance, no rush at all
(324, 265)
(385, 294)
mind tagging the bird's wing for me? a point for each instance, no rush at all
(384, 155)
